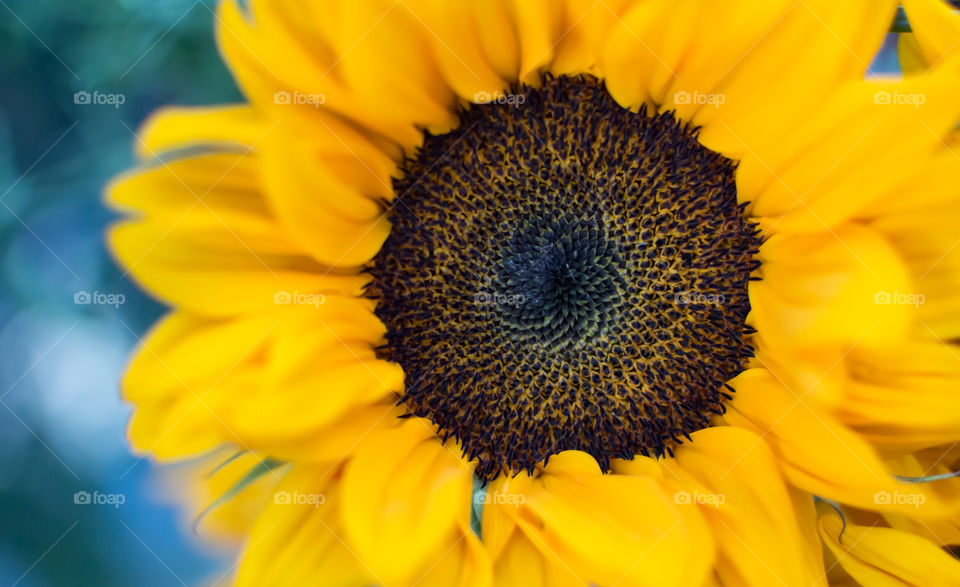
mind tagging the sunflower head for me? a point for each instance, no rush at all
(632, 273)
(563, 273)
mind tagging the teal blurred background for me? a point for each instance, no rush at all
(61, 419)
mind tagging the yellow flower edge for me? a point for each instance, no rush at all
(935, 30)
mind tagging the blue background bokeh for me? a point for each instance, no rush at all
(61, 419)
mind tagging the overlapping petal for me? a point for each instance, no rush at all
(587, 528)
(404, 494)
(258, 232)
(884, 556)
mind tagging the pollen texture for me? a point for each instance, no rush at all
(563, 273)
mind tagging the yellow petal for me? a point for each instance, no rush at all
(180, 360)
(523, 563)
(816, 453)
(609, 528)
(465, 563)
(455, 39)
(773, 85)
(321, 365)
(585, 30)
(499, 517)
(735, 67)
(172, 429)
(197, 383)
(404, 487)
(224, 127)
(884, 556)
(850, 153)
(498, 37)
(833, 290)
(820, 455)
(299, 537)
(756, 521)
(936, 33)
(328, 199)
(538, 25)
(301, 62)
(904, 399)
(724, 35)
(387, 61)
(940, 460)
(815, 370)
(207, 242)
(643, 51)
(925, 237)
(197, 484)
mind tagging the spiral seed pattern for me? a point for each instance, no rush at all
(563, 273)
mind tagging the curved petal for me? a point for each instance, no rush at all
(773, 86)
(936, 34)
(385, 58)
(735, 67)
(299, 538)
(756, 519)
(203, 483)
(198, 383)
(585, 29)
(370, 63)
(524, 563)
(940, 460)
(608, 528)
(222, 127)
(329, 196)
(850, 154)
(465, 563)
(884, 556)
(538, 25)
(820, 455)
(925, 236)
(643, 51)
(834, 290)
(404, 493)
(904, 399)
(206, 241)
(455, 36)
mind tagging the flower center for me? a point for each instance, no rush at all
(564, 274)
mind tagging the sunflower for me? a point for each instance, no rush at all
(935, 31)
(516, 292)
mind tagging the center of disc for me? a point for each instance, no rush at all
(564, 274)
(558, 280)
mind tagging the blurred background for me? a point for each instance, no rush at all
(68, 318)
(77, 77)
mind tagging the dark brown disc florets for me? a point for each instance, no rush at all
(563, 273)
